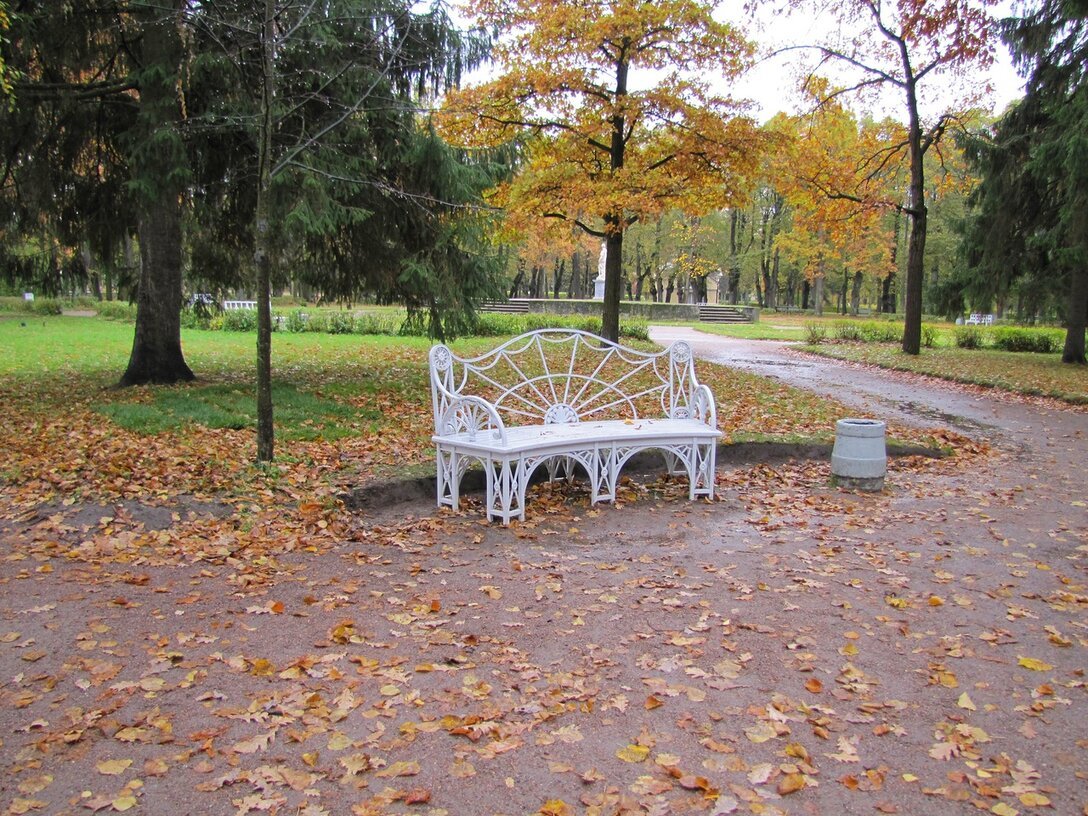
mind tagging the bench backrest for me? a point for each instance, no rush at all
(563, 375)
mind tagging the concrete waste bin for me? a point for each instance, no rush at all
(859, 459)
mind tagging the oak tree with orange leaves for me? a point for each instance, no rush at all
(838, 201)
(614, 105)
(910, 47)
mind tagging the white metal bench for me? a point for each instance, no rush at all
(563, 398)
(980, 320)
(231, 305)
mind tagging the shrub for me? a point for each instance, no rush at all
(851, 332)
(1011, 338)
(117, 310)
(318, 322)
(44, 306)
(929, 336)
(969, 337)
(378, 323)
(193, 319)
(341, 323)
(883, 332)
(295, 321)
(239, 320)
(815, 334)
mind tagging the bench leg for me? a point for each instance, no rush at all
(703, 469)
(675, 465)
(605, 474)
(505, 490)
(450, 469)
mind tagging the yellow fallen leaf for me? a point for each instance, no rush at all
(555, 807)
(113, 767)
(965, 702)
(633, 753)
(1034, 799)
(123, 803)
(1001, 809)
(262, 668)
(339, 741)
(21, 806)
(1033, 664)
(935, 600)
(909, 777)
(760, 733)
(399, 769)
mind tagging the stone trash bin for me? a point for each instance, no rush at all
(859, 459)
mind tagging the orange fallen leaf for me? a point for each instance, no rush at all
(790, 783)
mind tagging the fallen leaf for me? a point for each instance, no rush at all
(790, 783)
(399, 769)
(1034, 664)
(113, 767)
(633, 753)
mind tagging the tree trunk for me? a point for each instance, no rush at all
(1078, 302)
(265, 424)
(156, 348)
(855, 294)
(560, 270)
(614, 224)
(916, 242)
(515, 287)
(613, 286)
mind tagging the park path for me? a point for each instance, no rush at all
(1047, 440)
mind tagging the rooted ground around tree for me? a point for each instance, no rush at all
(787, 648)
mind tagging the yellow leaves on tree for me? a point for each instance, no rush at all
(617, 120)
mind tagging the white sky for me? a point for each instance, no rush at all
(772, 83)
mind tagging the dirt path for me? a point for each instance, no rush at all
(789, 648)
(1045, 435)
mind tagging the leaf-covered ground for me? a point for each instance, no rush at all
(183, 633)
(787, 649)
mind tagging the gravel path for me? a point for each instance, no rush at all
(789, 648)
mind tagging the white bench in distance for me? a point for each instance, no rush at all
(561, 398)
(231, 305)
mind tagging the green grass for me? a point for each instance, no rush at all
(766, 329)
(1030, 374)
(300, 416)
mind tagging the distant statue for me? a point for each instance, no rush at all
(598, 284)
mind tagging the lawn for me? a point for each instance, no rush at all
(1023, 373)
(349, 409)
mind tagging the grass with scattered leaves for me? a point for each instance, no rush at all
(1030, 374)
(349, 408)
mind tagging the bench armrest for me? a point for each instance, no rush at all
(702, 406)
(471, 415)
